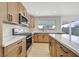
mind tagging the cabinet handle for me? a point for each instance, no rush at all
(8, 17)
(61, 55)
(49, 43)
(19, 42)
(63, 50)
(20, 50)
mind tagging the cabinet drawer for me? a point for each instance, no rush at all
(9, 49)
(65, 51)
(59, 51)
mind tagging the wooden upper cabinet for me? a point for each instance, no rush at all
(22, 10)
(21, 7)
(9, 11)
(3, 11)
(31, 20)
(13, 12)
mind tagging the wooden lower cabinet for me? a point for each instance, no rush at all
(35, 38)
(1, 52)
(17, 49)
(67, 52)
(58, 50)
(52, 48)
(40, 37)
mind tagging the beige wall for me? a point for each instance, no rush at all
(49, 20)
(58, 23)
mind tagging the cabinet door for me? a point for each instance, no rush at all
(53, 47)
(1, 51)
(40, 37)
(22, 48)
(59, 50)
(35, 37)
(68, 53)
(24, 51)
(17, 49)
(3, 11)
(45, 37)
(13, 12)
(50, 46)
(11, 50)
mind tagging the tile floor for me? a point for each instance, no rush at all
(39, 50)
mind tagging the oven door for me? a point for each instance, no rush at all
(28, 42)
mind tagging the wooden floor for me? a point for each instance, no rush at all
(39, 50)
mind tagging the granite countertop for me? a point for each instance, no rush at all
(72, 44)
(49, 32)
(9, 40)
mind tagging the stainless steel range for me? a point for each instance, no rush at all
(22, 33)
(28, 40)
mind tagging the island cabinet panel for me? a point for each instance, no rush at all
(58, 50)
(67, 52)
(17, 49)
(52, 47)
(40, 37)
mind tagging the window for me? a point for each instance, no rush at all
(74, 28)
(40, 27)
(46, 27)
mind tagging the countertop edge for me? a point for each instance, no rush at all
(67, 46)
(5, 44)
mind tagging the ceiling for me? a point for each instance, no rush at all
(52, 8)
(69, 11)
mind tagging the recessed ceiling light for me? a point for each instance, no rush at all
(54, 11)
(37, 12)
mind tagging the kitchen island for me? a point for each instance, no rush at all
(61, 46)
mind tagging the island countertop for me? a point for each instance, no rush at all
(72, 44)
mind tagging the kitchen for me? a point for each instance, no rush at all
(23, 25)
